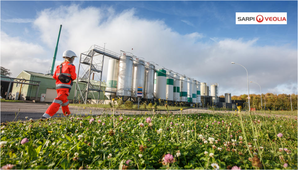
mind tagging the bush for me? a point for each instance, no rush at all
(128, 104)
(111, 105)
(144, 105)
(150, 105)
(155, 106)
(119, 102)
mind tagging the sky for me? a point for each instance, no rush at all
(198, 39)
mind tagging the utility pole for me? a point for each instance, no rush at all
(56, 49)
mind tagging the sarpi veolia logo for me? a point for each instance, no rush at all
(260, 18)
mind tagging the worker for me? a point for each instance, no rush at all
(64, 75)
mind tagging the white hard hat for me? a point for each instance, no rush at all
(69, 54)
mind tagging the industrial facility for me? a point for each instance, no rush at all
(130, 78)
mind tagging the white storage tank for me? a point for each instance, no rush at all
(170, 86)
(183, 86)
(203, 89)
(214, 93)
(155, 83)
(149, 81)
(124, 85)
(189, 90)
(112, 78)
(139, 77)
(176, 88)
(228, 98)
(198, 92)
(161, 82)
(194, 91)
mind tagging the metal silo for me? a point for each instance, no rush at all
(155, 83)
(183, 93)
(149, 81)
(170, 85)
(194, 91)
(203, 89)
(189, 90)
(207, 90)
(139, 77)
(161, 82)
(198, 92)
(176, 88)
(112, 78)
(124, 86)
(228, 98)
(214, 93)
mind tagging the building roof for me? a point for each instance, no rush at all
(51, 77)
(5, 78)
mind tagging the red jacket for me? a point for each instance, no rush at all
(68, 69)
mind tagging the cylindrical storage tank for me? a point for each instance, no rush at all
(149, 81)
(183, 87)
(176, 88)
(207, 90)
(124, 85)
(189, 90)
(214, 93)
(194, 91)
(139, 77)
(203, 89)
(170, 86)
(198, 92)
(155, 84)
(228, 98)
(112, 77)
(161, 82)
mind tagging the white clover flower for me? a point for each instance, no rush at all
(30, 119)
(205, 152)
(219, 149)
(211, 154)
(188, 131)
(140, 155)
(76, 154)
(178, 153)
(2, 127)
(240, 137)
(261, 147)
(3, 143)
(205, 141)
(215, 166)
(2, 132)
(26, 117)
(200, 136)
(225, 144)
(255, 139)
(211, 139)
(249, 146)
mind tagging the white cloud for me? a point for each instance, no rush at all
(18, 55)
(270, 66)
(188, 23)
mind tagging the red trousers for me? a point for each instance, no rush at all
(60, 100)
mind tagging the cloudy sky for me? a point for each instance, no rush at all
(198, 39)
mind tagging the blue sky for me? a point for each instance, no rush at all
(207, 26)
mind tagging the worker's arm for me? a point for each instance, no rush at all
(72, 70)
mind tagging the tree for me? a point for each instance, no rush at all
(5, 72)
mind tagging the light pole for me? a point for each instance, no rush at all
(260, 92)
(247, 84)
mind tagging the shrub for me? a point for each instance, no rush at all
(144, 105)
(119, 102)
(150, 105)
(128, 104)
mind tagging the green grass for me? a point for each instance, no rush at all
(291, 113)
(14, 101)
(135, 107)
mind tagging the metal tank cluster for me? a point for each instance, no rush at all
(128, 74)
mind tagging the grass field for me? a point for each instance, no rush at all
(15, 101)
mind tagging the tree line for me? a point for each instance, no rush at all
(270, 101)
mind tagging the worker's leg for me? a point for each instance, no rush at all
(65, 102)
(54, 107)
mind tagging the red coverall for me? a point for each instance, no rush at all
(62, 89)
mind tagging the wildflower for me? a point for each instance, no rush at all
(231, 136)
(205, 141)
(168, 159)
(50, 131)
(134, 118)
(225, 144)
(128, 118)
(91, 120)
(205, 152)
(219, 149)
(171, 123)
(148, 120)
(159, 131)
(188, 131)
(236, 168)
(110, 155)
(103, 123)
(25, 140)
(200, 136)
(261, 147)
(211, 154)
(215, 165)
(99, 121)
(255, 140)
(279, 135)
(150, 124)
(8, 166)
(178, 153)
(120, 118)
(285, 165)
(76, 154)
(182, 124)
(80, 137)
(140, 155)
(127, 162)
(2, 143)
(240, 137)
(181, 109)
(211, 139)
(249, 146)
(280, 149)
(213, 146)
(141, 124)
